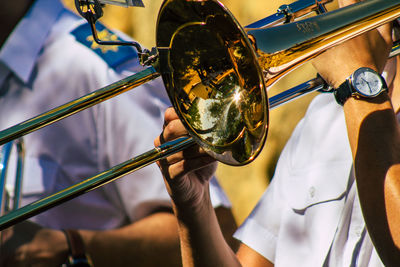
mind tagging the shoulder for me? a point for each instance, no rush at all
(116, 57)
(70, 54)
(71, 42)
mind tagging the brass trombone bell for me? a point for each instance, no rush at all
(212, 76)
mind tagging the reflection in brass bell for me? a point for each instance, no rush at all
(213, 79)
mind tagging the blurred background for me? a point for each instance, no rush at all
(243, 185)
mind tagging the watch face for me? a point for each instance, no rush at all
(367, 82)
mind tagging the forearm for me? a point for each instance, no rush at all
(202, 242)
(152, 241)
(375, 143)
(187, 175)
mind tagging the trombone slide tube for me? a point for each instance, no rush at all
(139, 162)
(290, 12)
(293, 93)
(19, 177)
(5, 158)
(96, 181)
(132, 165)
(77, 105)
(135, 163)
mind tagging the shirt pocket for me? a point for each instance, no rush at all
(317, 184)
(315, 196)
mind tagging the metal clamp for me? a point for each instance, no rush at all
(92, 10)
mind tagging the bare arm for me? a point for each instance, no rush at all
(375, 142)
(151, 241)
(374, 136)
(187, 175)
(249, 257)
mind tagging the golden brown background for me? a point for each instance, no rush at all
(243, 185)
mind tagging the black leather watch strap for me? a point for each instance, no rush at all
(347, 89)
(343, 92)
(77, 255)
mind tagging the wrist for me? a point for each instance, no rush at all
(364, 83)
(77, 255)
(193, 210)
(336, 77)
(51, 242)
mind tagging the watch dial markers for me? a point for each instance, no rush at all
(367, 83)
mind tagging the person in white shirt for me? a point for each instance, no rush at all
(47, 58)
(334, 199)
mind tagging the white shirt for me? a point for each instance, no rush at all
(44, 64)
(310, 214)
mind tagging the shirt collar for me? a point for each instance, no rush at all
(22, 48)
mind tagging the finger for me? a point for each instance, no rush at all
(173, 130)
(179, 169)
(170, 115)
(189, 153)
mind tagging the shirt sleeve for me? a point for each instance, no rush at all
(217, 195)
(261, 228)
(299, 211)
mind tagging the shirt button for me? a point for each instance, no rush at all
(359, 231)
(312, 191)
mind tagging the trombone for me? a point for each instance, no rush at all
(216, 74)
(5, 194)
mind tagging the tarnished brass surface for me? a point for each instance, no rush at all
(213, 79)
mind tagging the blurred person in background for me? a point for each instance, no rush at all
(334, 199)
(47, 58)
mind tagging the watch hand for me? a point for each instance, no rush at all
(370, 89)
(362, 79)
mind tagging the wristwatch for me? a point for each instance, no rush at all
(363, 83)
